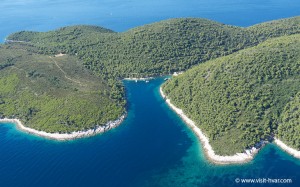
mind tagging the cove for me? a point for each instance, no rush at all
(152, 147)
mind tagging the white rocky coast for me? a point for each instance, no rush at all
(286, 148)
(218, 159)
(67, 136)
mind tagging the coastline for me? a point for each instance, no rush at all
(138, 79)
(66, 136)
(287, 149)
(247, 156)
(238, 158)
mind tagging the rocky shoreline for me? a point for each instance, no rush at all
(139, 79)
(67, 136)
(209, 152)
(286, 148)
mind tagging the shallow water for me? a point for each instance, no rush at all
(152, 147)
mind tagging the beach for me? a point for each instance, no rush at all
(209, 152)
(66, 136)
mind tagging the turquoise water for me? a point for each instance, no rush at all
(153, 147)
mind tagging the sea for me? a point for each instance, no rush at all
(152, 147)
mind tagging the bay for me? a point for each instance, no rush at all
(152, 147)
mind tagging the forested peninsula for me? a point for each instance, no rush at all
(246, 97)
(242, 86)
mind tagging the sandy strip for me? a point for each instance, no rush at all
(138, 79)
(286, 148)
(67, 136)
(218, 159)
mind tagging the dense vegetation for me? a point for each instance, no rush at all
(159, 48)
(289, 129)
(53, 94)
(238, 100)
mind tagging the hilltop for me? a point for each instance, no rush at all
(159, 48)
(246, 97)
(83, 89)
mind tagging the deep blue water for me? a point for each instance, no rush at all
(153, 147)
(43, 15)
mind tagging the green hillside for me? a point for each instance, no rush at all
(53, 94)
(240, 99)
(289, 129)
(154, 49)
(64, 96)
(275, 28)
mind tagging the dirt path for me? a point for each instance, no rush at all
(66, 76)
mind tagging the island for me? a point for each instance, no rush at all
(240, 86)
